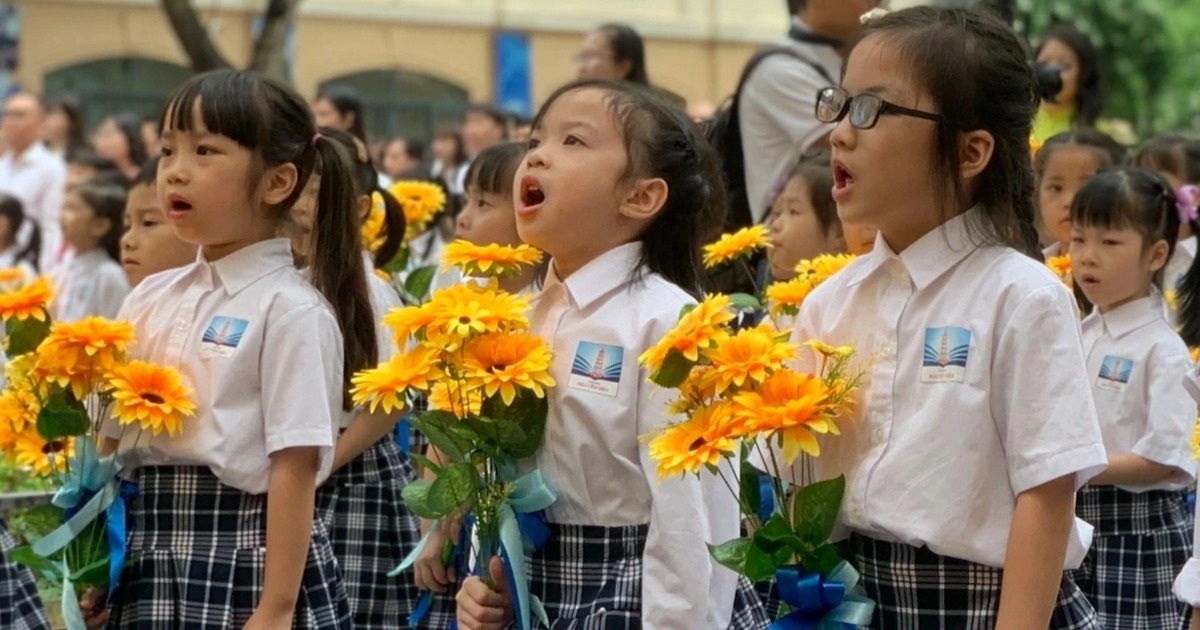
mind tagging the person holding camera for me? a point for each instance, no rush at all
(1068, 72)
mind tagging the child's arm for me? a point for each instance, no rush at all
(363, 433)
(1133, 470)
(290, 505)
(431, 573)
(1037, 547)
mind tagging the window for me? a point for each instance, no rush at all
(400, 103)
(123, 84)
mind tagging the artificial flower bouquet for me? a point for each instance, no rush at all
(744, 409)
(469, 350)
(422, 202)
(64, 381)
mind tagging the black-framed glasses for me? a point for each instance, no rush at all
(833, 104)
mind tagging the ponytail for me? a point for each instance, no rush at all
(1189, 305)
(395, 225)
(33, 249)
(337, 264)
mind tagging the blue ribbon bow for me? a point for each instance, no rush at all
(820, 603)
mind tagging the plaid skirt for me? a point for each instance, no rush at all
(1141, 542)
(917, 589)
(20, 606)
(590, 578)
(371, 531)
(197, 557)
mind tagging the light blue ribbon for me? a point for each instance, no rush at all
(835, 602)
(88, 473)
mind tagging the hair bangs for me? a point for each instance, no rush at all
(1103, 203)
(230, 104)
(495, 168)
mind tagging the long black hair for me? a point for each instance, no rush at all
(974, 67)
(1130, 198)
(1091, 81)
(627, 45)
(130, 126)
(347, 101)
(662, 142)
(70, 107)
(107, 202)
(275, 124)
(366, 181)
(12, 210)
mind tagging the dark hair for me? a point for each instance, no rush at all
(974, 66)
(662, 142)
(88, 157)
(452, 132)
(148, 175)
(627, 45)
(813, 168)
(493, 170)
(1091, 82)
(497, 115)
(1174, 153)
(130, 126)
(347, 101)
(11, 209)
(107, 202)
(275, 124)
(366, 182)
(413, 148)
(1109, 153)
(69, 105)
(1134, 198)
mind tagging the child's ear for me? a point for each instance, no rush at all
(1159, 255)
(646, 197)
(364, 206)
(99, 227)
(975, 152)
(278, 183)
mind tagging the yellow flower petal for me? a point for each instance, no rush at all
(736, 245)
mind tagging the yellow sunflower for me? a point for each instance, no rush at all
(695, 391)
(749, 356)
(11, 275)
(741, 243)
(406, 321)
(489, 260)
(459, 312)
(421, 201)
(786, 297)
(458, 398)
(1061, 266)
(1194, 353)
(840, 352)
(153, 396)
(791, 405)
(373, 232)
(386, 385)
(19, 410)
(702, 440)
(40, 457)
(1196, 440)
(697, 330)
(821, 268)
(28, 301)
(502, 363)
(79, 353)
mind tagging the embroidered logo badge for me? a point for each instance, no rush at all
(222, 336)
(597, 368)
(945, 357)
(1114, 373)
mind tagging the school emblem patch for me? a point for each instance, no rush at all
(222, 336)
(1114, 373)
(946, 352)
(597, 368)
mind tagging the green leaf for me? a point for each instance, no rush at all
(750, 490)
(416, 497)
(25, 335)
(424, 462)
(94, 574)
(775, 529)
(824, 559)
(439, 428)
(498, 437)
(528, 412)
(62, 416)
(453, 488)
(674, 370)
(419, 280)
(25, 555)
(399, 262)
(744, 302)
(687, 308)
(732, 554)
(760, 563)
(815, 509)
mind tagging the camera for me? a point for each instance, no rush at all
(1049, 81)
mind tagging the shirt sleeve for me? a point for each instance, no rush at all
(1041, 400)
(682, 587)
(1171, 415)
(111, 294)
(301, 371)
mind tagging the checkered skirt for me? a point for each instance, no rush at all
(371, 531)
(20, 606)
(1141, 542)
(917, 589)
(590, 578)
(197, 555)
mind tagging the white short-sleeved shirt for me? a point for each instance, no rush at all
(89, 284)
(383, 299)
(262, 350)
(1181, 261)
(974, 391)
(1187, 584)
(598, 322)
(38, 178)
(1134, 363)
(1055, 249)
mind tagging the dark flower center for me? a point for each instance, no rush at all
(153, 398)
(697, 444)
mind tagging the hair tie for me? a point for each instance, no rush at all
(316, 136)
(1185, 202)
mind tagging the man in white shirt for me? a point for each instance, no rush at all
(777, 104)
(31, 173)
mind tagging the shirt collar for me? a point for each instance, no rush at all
(248, 264)
(29, 156)
(930, 257)
(1129, 317)
(599, 277)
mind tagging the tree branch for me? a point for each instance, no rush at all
(269, 57)
(193, 37)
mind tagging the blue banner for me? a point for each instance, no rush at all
(513, 63)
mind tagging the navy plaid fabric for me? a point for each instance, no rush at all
(768, 595)
(197, 554)
(590, 578)
(1141, 542)
(371, 531)
(916, 589)
(20, 606)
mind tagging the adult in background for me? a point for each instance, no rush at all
(1081, 99)
(777, 104)
(340, 107)
(32, 173)
(616, 52)
(119, 140)
(484, 126)
(63, 130)
(404, 158)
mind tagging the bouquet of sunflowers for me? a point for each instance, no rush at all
(743, 409)
(64, 381)
(421, 203)
(470, 352)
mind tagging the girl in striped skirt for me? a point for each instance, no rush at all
(1124, 225)
(20, 605)
(224, 532)
(973, 429)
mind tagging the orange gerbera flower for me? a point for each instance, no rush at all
(749, 356)
(502, 363)
(153, 396)
(739, 244)
(386, 385)
(489, 260)
(700, 441)
(699, 329)
(790, 405)
(80, 353)
(28, 301)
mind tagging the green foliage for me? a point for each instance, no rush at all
(674, 370)
(62, 416)
(24, 335)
